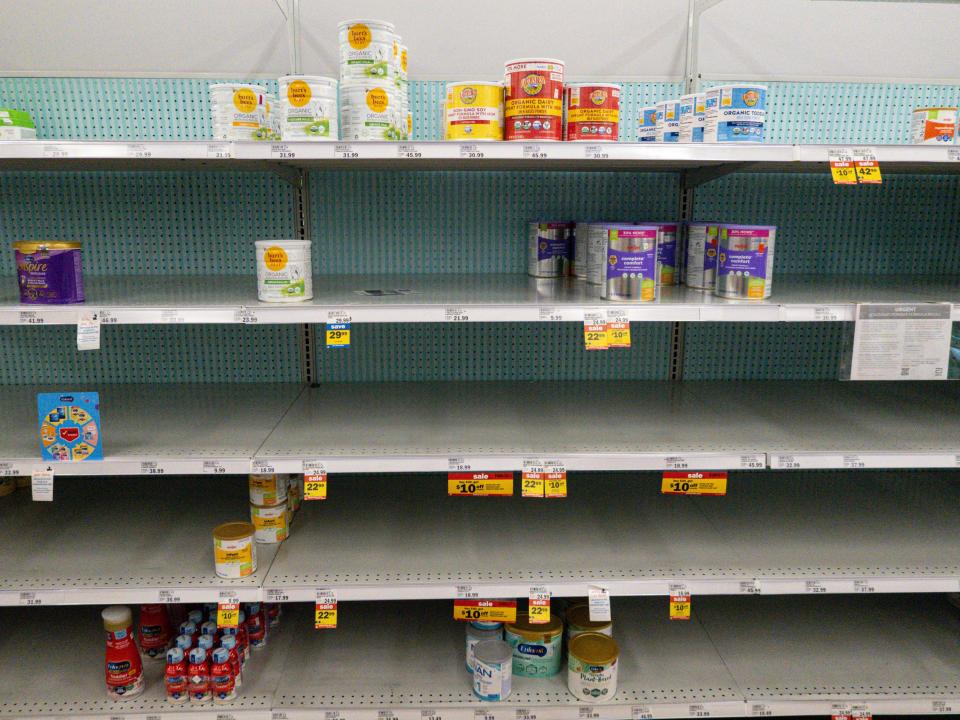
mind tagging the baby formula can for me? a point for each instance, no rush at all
(693, 117)
(198, 676)
(647, 127)
(745, 263)
(223, 687)
(153, 631)
(124, 669)
(476, 633)
(367, 49)
(233, 551)
(933, 126)
(294, 491)
(668, 121)
(492, 670)
(592, 667)
(597, 250)
(549, 249)
(369, 111)
(270, 523)
(307, 109)
(700, 270)
(630, 269)
(578, 622)
(284, 272)
(537, 649)
(735, 113)
(592, 111)
(49, 272)
(238, 111)
(533, 99)
(267, 489)
(175, 677)
(581, 242)
(474, 111)
(668, 270)
(271, 125)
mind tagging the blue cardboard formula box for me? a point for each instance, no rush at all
(69, 426)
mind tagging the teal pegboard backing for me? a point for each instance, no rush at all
(762, 351)
(907, 225)
(820, 112)
(482, 351)
(463, 222)
(190, 223)
(151, 354)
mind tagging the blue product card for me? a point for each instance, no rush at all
(69, 426)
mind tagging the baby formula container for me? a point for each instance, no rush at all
(478, 632)
(124, 670)
(492, 670)
(154, 631)
(229, 642)
(647, 126)
(222, 684)
(578, 621)
(934, 126)
(367, 50)
(270, 523)
(735, 113)
(175, 677)
(597, 250)
(284, 271)
(49, 272)
(668, 270)
(630, 269)
(238, 111)
(307, 109)
(270, 489)
(474, 111)
(549, 249)
(256, 626)
(235, 555)
(581, 242)
(693, 117)
(668, 121)
(369, 111)
(745, 263)
(537, 649)
(198, 676)
(533, 99)
(592, 112)
(592, 667)
(16, 125)
(700, 271)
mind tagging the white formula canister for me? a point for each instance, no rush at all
(745, 262)
(308, 108)
(647, 125)
(668, 269)
(477, 633)
(548, 249)
(592, 667)
(367, 50)
(700, 270)
(597, 249)
(933, 126)
(370, 111)
(284, 270)
(735, 113)
(581, 242)
(271, 523)
(234, 553)
(668, 121)
(238, 111)
(630, 266)
(492, 670)
(693, 117)
(267, 490)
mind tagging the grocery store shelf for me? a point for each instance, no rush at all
(775, 533)
(122, 541)
(53, 667)
(715, 160)
(462, 298)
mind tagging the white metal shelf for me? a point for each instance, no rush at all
(116, 541)
(462, 298)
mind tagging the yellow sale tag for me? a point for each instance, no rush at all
(325, 615)
(843, 172)
(315, 486)
(868, 172)
(338, 335)
(531, 480)
(694, 483)
(538, 606)
(480, 484)
(228, 615)
(486, 610)
(618, 334)
(680, 607)
(555, 483)
(595, 336)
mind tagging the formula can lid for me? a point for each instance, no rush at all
(580, 616)
(492, 651)
(552, 61)
(928, 109)
(233, 531)
(485, 83)
(31, 246)
(380, 24)
(613, 86)
(594, 648)
(531, 631)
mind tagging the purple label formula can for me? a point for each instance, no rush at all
(49, 272)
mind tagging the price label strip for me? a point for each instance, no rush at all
(325, 610)
(694, 483)
(595, 332)
(314, 481)
(485, 610)
(532, 479)
(338, 334)
(679, 605)
(842, 169)
(496, 484)
(618, 329)
(867, 166)
(538, 606)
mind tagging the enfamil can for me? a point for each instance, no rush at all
(533, 99)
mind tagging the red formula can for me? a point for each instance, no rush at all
(533, 99)
(592, 111)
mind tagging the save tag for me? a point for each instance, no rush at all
(480, 484)
(338, 334)
(867, 166)
(228, 613)
(486, 610)
(618, 329)
(325, 610)
(595, 331)
(679, 604)
(41, 484)
(88, 330)
(841, 166)
(694, 483)
(599, 603)
(314, 481)
(532, 479)
(538, 606)
(554, 479)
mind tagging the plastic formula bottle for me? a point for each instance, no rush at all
(229, 642)
(175, 677)
(124, 669)
(198, 676)
(154, 631)
(256, 626)
(222, 683)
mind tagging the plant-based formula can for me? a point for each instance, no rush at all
(307, 109)
(492, 670)
(284, 270)
(668, 121)
(537, 648)
(549, 249)
(592, 667)
(367, 50)
(735, 113)
(238, 111)
(745, 263)
(700, 270)
(533, 99)
(933, 126)
(693, 117)
(477, 633)
(49, 272)
(668, 269)
(647, 125)
(592, 112)
(474, 111)
(630, 269)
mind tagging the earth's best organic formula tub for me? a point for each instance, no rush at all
(284, 270)
(668, 121)
(308, 107)
(367, 50)
(533, 99)
(474, 111)
(239, 111)
(592, 667)
(735, 113)
(647, 125)
(49, 272)
(693, 117)
(745, 264)
(592, 111)
(934, 126)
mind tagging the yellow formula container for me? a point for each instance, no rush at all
(234, 553)
(474, 111)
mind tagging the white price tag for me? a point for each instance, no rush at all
(596, 152)
(750, 587)
(345, 151)
(471, 152)
(41, 484)
(219, 151)
(138, 151)
(753, 462)
(549, 314)
(107, 317)
(282, 151)
(245, 316)
(8, 469)
(787, 462)
(640, 712)
(760, 710)
(408, 151)
(459, 464)
(698, 711)
(213, 467)
(31, 317)
(853, 462)
(171, 317)
(599, 603)
(814, 586)
(277, 595)
(588, 712)
(826, 313)
(466, 592)
(455, 314)
(941, 706)
(863, 586)
(151, 467)
(534, 152)
(31, 599)
(676, 462)
(55, 151)
(953, 154)
(88, 330)
(171, 597)
(262, 467)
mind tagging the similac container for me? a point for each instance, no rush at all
(270, 523)
(234, 553)
(668, 269)
(492, 670)
(592, 667)
(474, 110)
(238, 111)
(367, 50)
(668, 121)
(700, 270)
(592, 112)
(124, 669)
(476, 633)
(370, 111)
(223, 687)
(268, 489)
(647, 127)
(735, 113)
(175, 677)
(745, 263)
(533, 99)
(284, 271)
(693, 117)
(153, 631)
(933, 126)
(308, 108)
(630, 267)
(537, 649)
(578, 622)
(548, 253)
